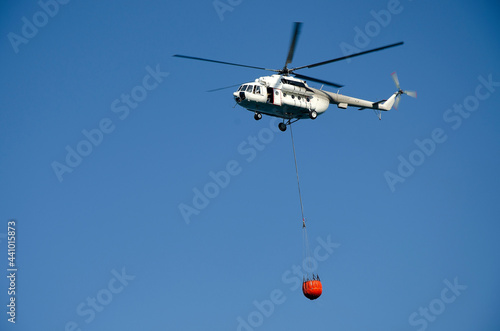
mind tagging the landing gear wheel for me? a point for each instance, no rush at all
(313, 114)
(257, 116)
(282, 127)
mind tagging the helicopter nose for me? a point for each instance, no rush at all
(242, 95)
(239, 97)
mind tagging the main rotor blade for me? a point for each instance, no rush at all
(293, 42)
(222, 62)
(223, 88)
(348, 56)
(317, 80)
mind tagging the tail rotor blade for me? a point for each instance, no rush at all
(396, 104)
(412, 94)
(400, 92)
(396, 80)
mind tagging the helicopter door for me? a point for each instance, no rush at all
(270, 95)
(277, 97)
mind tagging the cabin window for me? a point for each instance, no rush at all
(257, 89)
(292, 82)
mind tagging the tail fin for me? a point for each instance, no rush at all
(389, 103)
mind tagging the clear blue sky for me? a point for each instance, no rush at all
(104, 246)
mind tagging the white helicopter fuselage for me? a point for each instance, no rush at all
(286, 96)
(290, 98)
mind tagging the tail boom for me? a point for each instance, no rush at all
(343, 101)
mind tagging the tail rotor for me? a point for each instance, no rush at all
(412, 94)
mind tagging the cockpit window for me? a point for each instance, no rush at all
(250, 88)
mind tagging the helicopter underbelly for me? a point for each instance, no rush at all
(287, 107)
(284, 111)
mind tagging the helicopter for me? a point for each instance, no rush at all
(290, 98)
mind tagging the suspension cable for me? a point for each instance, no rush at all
(298, 183)
(306, 251)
